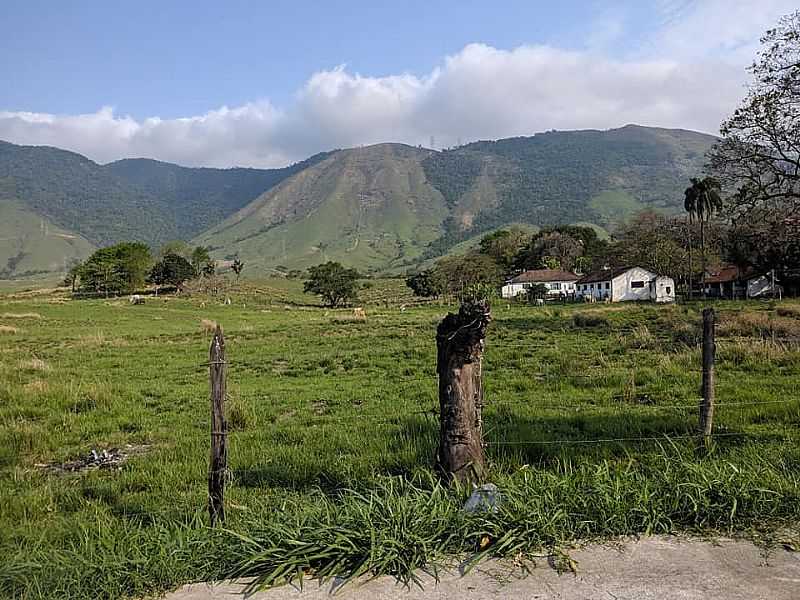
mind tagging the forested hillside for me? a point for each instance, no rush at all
(387, 206)
(48, 189)
(390, 206)
(599, 177)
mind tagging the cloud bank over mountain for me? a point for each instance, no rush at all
(689, 74)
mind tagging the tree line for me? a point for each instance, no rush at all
(128, 266)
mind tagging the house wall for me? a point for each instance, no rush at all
(554, 288)
(662, 289)
(633, 284)
(600, 290)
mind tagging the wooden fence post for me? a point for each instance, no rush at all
(709, 354)
(219, 429)
(459, 345)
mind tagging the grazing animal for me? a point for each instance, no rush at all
(359, 313)
(540, 302)
(137, 299)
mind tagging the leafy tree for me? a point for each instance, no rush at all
(427, 284)
(172, 269)
(460, 272)
(116, 269)
(333, 282)
(237, 267)
(176, 247)
(565, 247)
(200, 259)
(538, 291)
(503, 245)
(477, 293)
(759, 155)
(701, 200)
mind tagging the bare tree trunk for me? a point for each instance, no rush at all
(460, 343)
(703, 256)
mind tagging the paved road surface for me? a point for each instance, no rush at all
(650, 569)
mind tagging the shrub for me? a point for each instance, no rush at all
(586, 319)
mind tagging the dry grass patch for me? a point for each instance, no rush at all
(29, 315)
(35, 364)
(98, 339)
(757, 324)
(37, 386)
(208, 326)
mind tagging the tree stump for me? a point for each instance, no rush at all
(459, 344)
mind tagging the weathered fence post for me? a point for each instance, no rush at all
(459, 345)
(709, 353)
(219, 429)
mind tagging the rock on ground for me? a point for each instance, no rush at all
(658, 568)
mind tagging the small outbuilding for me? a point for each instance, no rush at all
(558, 283)
(625, 283)
(729, 282)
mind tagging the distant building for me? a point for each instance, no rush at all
(626, 283)
(558, 283)
(729, 282)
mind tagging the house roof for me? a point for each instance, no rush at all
(603, 275)
(723, 274)
(542, 275)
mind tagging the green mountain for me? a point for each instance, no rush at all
(390, 206)
(368, 207)
(378, 208)
(133, 199)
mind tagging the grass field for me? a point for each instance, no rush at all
(589, 418)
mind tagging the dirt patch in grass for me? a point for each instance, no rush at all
(112, 458)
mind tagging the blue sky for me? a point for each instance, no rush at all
(265, 83)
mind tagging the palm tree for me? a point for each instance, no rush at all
(701, 200)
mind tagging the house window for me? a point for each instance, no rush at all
(555, 286)
(591, 286)
(637, 284)
(608, 285)
(669, 291)
(526, 286)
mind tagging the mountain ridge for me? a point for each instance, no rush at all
(383, 207)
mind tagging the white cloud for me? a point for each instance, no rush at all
(690, 76)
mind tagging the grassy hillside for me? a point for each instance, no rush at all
(371, 208)
(32, 246)
(389, 206)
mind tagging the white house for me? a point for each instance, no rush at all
(628, 283)
(558, 283)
